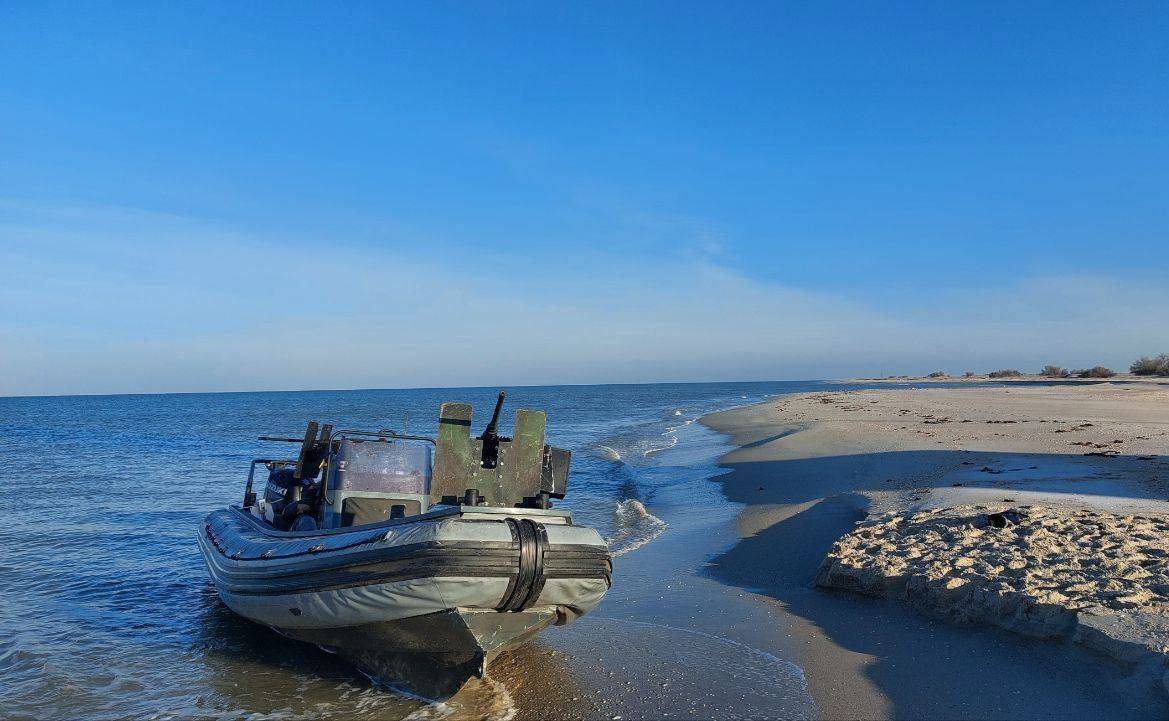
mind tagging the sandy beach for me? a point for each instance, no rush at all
(981, 551)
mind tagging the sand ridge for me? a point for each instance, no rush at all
(1087, 576)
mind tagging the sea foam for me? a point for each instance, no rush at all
(634, 527)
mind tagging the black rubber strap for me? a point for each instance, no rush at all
(509, 592)
(528, 582)
(541, 535)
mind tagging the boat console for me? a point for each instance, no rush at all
(368, 481)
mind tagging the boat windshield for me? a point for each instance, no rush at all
(394, 466)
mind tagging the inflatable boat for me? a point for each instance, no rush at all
(418, 559)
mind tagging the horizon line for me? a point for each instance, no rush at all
(502, 386)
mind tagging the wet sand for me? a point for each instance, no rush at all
(810, 466)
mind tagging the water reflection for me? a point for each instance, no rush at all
(254, 672)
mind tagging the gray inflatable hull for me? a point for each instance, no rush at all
(428, 600)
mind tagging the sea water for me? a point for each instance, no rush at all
(106, 610)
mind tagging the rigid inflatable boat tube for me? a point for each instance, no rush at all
(428, 549)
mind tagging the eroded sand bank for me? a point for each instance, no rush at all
(810, 467)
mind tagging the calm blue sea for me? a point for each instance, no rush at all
(106, 610)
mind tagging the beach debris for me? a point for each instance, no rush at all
(997, 471)
(1000, 520)
(1079, 427)
(1103, 454)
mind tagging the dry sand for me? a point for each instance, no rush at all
(1081, 558)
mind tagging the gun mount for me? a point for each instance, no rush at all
(494, 470)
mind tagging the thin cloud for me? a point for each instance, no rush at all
(106, 301)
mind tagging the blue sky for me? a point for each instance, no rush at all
(213, 196)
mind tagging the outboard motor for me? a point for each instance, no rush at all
(280, 481)
(285, 495)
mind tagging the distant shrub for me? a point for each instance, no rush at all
(1005, 373)
(1097, 372)
(1055, 372)
(968, 374)
(938, 374)
(1158, 366)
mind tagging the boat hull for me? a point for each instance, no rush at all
(434, 654)
(428, 601)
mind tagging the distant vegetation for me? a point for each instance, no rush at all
(1158, 366)
(1145, 366)
(1097, 372)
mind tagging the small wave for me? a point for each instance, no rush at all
(669, 440)
(635, 527)
(789, 666)
(607, 452)
(484, 698)
(772, 687)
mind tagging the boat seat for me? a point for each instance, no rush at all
(358, 510)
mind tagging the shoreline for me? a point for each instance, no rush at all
(809, 467)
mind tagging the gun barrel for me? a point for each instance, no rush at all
(491, 438)
(494, 424)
